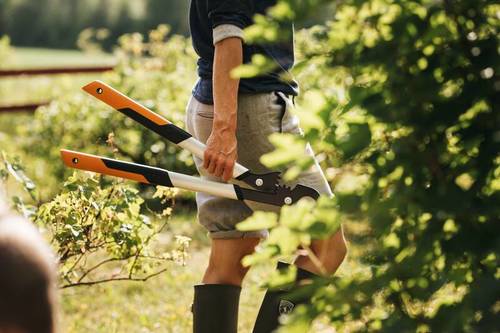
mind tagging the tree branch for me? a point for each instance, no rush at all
(91, 283)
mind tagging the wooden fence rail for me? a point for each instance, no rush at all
(53, 71)
(31, 107)
(21, 107)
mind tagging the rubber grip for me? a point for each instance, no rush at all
(169, 131)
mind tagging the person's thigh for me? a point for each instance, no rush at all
(225, 265)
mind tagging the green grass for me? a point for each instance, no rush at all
(23, 57)
(159, 305)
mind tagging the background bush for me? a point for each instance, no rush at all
(157, 72)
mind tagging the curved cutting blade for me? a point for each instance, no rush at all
(283, 195)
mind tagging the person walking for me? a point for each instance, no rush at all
(234, 118)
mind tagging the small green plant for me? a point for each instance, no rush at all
(96, 227)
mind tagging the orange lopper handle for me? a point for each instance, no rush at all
(97, 164)
(119, 101)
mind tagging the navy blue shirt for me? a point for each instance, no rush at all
(207, 15)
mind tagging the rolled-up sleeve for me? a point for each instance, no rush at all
(228, 18)
(224, 31)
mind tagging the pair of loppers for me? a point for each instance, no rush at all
(264, 188)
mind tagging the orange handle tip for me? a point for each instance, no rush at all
(97, 164)
(119, 101)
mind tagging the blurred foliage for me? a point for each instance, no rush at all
(57, 23)
(401, 103)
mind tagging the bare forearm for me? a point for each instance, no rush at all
(228, 55)
(221, 153)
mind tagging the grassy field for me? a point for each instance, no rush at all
(26, 57)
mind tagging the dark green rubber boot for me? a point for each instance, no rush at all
(275, 304)
(215, 308)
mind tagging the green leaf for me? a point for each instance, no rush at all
(261, 255)
(287, 240)
(299, 216)
(289, 148)
(259, 221)
(357, 138)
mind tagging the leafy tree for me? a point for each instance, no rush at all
(123, 23)
(402, 103)
(3, 4)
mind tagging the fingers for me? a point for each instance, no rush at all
(210, 162)
(228, 170)
(219, 165)
(207, 156)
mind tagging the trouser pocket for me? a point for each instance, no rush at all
(289, 121)
(280, 100)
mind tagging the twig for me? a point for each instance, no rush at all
(136, 258)
(74, 264)
(101, 264)
(86, 273)
(91, 283)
